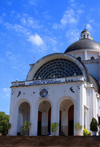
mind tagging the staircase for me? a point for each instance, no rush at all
(58, 141)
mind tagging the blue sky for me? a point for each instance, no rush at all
(31, 29)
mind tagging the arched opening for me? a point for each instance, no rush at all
(71, 120)
(79, 58)
(92, 58)
(66, 114)
(23, 115)
(44, 118)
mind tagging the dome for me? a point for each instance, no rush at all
(83, 44)
(85, 31)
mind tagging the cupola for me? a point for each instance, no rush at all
(85, 34)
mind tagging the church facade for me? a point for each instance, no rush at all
(60, 88)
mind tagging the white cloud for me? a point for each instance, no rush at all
(3, 14)
(8, 25)
(23, 21)
(9, 2)
(32, 2)
(46, 15)
(30, 22)
(72, 1)
(89, 27)
(36, 40)
(55, 26)
(6, 92)
(80, 11)
(17, 28)
(73, 35)
(1, 21)
(53, 41)
(69, 17)
(14, 60)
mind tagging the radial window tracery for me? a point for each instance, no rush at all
(57, 68)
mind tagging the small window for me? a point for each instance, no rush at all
(92, 58)
(79, 58)
(84, 36)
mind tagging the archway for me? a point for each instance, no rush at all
(23, 115)
(66, 117)
(44, 118)
(71, 120)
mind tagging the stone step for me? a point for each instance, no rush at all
(59, 141)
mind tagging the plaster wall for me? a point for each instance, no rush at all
(30, 94)
(85, 54)
(93, 69)
(92, 54)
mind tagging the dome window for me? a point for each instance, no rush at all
(79, 58)
(92, 58)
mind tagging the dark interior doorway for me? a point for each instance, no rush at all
(49, 121)
(60, 122)
(71, 120)
(39, 122)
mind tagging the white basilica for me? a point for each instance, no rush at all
(61, 88)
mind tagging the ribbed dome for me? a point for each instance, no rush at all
(83, 44)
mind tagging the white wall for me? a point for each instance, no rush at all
(93, 69)
(56, 94)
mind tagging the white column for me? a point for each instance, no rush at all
(13, 120)
(99, 69)
(55, 116)
(85, 55)
(79, 109)
(85, 117)
(34, 121)
(93, 104)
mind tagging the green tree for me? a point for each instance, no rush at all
(26, 126)
(54, 127)
(4, 123)
(94, 125)
(78, 126)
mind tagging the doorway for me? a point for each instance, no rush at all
(71, 120)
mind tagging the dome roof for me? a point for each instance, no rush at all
(83, 44)
(85, 31)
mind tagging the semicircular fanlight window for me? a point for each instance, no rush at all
(57, 68)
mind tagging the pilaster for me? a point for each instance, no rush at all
(34, 121)
(85, 55)
(55, 116)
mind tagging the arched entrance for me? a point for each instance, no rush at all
(23, 115)
(44, 118)
(66, 117)
(71, 120)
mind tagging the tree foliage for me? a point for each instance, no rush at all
(54, 127)
(4, 123)
(94, 125)
(26, 126)
(78, 126)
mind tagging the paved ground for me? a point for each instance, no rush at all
(51, 141)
